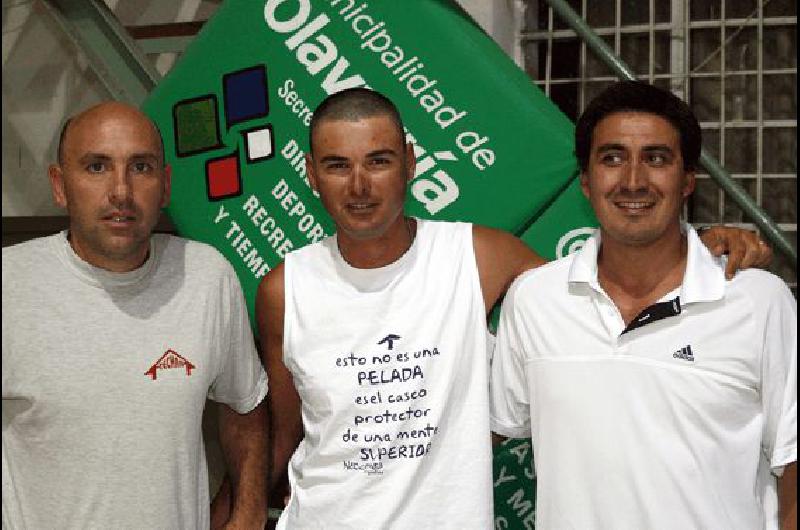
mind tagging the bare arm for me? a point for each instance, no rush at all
(501, 257)
(285, 421)
(243, 442)
(787, 497)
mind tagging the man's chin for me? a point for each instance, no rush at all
(125, 250)
(637, 238)
(361, 233)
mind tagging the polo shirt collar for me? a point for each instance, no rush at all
(703, 280)
(584, 265)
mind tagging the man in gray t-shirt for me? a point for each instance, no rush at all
(112, 340)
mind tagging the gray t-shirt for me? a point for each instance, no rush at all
(105, 377)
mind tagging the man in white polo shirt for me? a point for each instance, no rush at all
(658, 394)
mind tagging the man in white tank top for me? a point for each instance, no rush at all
(375, 341)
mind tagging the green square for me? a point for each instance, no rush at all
(196, 125)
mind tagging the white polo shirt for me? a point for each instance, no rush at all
(675, 423)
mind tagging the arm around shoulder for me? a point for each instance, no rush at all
(500, 257)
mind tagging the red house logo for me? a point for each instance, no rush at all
(170, 359)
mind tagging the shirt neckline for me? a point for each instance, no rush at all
(97, 276)
(377, 279)
(703, 278)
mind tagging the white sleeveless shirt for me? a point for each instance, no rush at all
(391, 366)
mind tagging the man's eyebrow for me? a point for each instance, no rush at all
(101, 157)
(94, 157)
(610, 147)
(144, 156)
(333, 158)
(657, 147)
(381, 152)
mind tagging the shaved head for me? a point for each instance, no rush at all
(100, 110)
(112, 180)
(354, 104)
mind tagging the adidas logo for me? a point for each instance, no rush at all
(684, 353)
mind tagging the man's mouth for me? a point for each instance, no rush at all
(634, 206)
(120, 217)
(361, 206)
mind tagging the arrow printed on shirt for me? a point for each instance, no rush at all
(389, 340)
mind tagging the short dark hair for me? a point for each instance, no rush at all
(636, 96)
(353, 104)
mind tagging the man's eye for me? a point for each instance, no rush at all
(96, 167)
(611, 158)
(141, 167)
(658, 159)
(379, 161)
(336, 165)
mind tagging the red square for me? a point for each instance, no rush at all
(223, 178)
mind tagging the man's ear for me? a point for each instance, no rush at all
(57, 185)
(584, 178)
(312, 177)
(411, 162)
(688, 184)
(167, 186)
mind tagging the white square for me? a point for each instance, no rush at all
(259, 143)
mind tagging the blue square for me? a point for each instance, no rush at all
(245, 95)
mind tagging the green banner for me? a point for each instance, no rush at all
(234, 112)
(490, 147)
(563, 227)
(514, 485)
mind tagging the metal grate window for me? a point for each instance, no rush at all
(734, 61)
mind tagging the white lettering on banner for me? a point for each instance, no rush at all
(318, 53)
(245, 249)
(266, 224)
(221, 215)
(293, 101)
(379, 40)
(297, 159)
(504, 477)
(522, 507)
(306, 222)
(437, 190)
(309, 54)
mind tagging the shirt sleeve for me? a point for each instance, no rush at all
(241, 382)
(509, 403)
(779, 379)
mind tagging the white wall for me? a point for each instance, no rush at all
(501, 20)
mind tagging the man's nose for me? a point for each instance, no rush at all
(636, 176)
(121, 190)
(359, 181)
